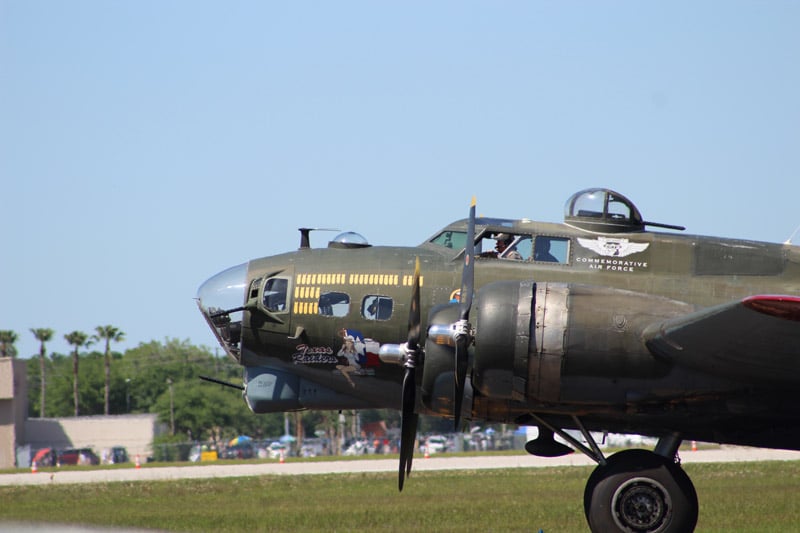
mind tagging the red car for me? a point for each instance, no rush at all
(78, 456)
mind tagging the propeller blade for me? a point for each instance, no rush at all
(468, 274)
(414, 424)
(414, 313)
(408, 425)
(408, 418)
(462, 334)
(461, 378)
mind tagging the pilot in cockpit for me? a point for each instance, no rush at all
(504, 240)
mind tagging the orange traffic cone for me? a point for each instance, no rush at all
(427, 455)
(34, 469)
(694, 445)
(137, 464)
(282, 458)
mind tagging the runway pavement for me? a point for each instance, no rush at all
(220, 469)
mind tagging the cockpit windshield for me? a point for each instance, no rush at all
(221, 300)
(451, 239)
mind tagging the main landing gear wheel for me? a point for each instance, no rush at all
(638, 491)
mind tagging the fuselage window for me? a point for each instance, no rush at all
(334, 304)
(275, 290)
(522, 245)
(376, 307)
(505, 246)
(451, 239)
(551, 249)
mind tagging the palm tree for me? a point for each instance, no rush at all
(7, 340)
(77, 339)
(42, 335)
(109, 334)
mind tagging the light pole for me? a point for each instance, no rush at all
(171, 408)
(128, 394)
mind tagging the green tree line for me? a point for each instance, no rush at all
(163, 378)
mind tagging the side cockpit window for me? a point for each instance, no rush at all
(334, 304)
(376, 307)
(551, 249)
(275, 294)
(504, 246)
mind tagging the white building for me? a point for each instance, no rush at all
(21, 436)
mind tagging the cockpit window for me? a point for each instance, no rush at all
(275, 290)
(334, 304)
(451, 239)
(377, 307)
(504, 246)
(551, 249)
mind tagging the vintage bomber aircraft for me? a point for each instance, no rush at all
(596, 324)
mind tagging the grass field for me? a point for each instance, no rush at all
(733, 497)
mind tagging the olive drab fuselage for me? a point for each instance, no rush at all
(568, 326)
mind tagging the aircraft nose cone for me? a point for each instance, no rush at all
(225, 290)
(220, 299)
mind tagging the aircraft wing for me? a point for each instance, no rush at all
(756, 340)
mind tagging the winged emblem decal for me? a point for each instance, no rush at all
(613, 247)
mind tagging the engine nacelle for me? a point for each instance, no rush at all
(438, 370)
(503, 332)
(531, 339)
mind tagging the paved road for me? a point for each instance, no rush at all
(721, 455)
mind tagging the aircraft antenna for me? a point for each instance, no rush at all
(305, 241)
(789, 240)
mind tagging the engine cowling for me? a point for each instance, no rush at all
(438, 370)
(543, 343)
(531, 339)
(503, 333)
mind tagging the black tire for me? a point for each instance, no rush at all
(638, 491)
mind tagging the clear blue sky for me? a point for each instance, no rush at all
(147, 145)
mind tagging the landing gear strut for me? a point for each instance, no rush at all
(633, 491)
(639, 491)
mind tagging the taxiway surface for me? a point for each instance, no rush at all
(724, 454)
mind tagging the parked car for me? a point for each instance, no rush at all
(245, 450)
(313, 447)
(275, 449)
(436, 444)
(202, 452)
(358, 447)
(116, 455)
(78, 456)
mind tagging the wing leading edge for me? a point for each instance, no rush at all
(756, 340)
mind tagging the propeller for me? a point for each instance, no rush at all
(462, 333)
(410, 353)
(408, 418)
